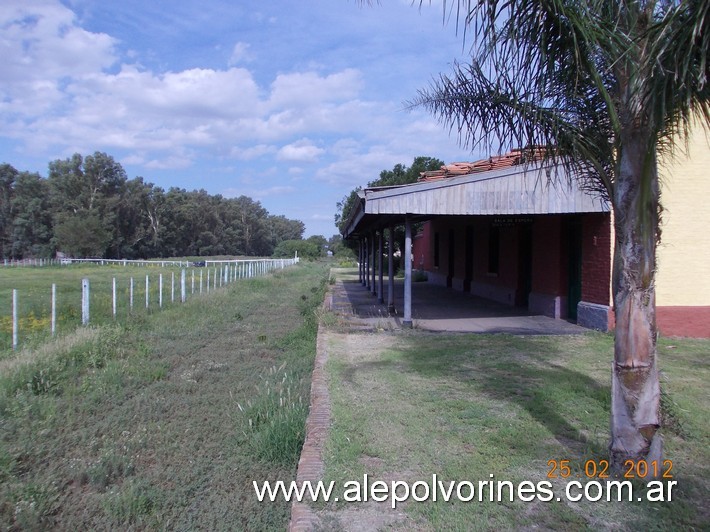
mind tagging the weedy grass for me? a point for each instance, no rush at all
(412, 404)
(135, 424)
(273, 423)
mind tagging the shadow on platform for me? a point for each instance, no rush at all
(436, 308)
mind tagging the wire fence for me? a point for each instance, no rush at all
(47, 312)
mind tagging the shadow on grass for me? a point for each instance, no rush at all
(514, 403)
(525, 372)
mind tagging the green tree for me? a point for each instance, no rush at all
(604, 87)
(399, 175)
(281, 228)
(8, 175)
(32, 219)
(82, 236)
(320, 242)
(90, 187)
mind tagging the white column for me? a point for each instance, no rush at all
(390, 270)
(407, 321)
(380, 269)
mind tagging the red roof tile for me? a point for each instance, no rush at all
(513, 158)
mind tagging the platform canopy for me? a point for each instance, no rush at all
(515, 190)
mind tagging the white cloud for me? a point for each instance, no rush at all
(252, 152)
(40, 47)
(171, 162)
(42, 41)
(273, 191)
(300, 89)
(259, 193)
(240, 54)
(303, 151)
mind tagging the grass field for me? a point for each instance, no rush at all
(409, 404)
(162, 420)
(34, 286)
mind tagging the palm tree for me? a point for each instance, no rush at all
(604, 87)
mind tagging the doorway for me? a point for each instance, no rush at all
(574, 288)
(522, 295)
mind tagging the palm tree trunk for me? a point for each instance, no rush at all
(635, 390)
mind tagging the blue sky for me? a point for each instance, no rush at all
(290, 102)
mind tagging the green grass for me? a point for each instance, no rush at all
(411, 404)
(34, 286)
(136, 424)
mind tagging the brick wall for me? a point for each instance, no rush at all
(596, 258)
(422, 250)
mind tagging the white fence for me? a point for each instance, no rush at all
(131, 262)
(196, 280)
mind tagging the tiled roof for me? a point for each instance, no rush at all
(512, 158)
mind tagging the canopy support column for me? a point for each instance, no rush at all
(390, 270)
(407, 321)
(380, 268)
(373, 271)
(361, 261)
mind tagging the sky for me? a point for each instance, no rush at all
(291, 102)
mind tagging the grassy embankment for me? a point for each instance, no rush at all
(410, 404)
(162, 420)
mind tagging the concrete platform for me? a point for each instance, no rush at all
(436, 308)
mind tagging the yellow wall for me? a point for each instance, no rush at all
(683, 275)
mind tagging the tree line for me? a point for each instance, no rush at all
(87, 207)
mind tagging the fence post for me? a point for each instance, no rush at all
(54, 308)
(208, 280)
(183, 295)
(160, 290)
(114, 298)
(147, 291)
(193, 281)
(200, 281)
(130, 295)
(14, 318)
(172, 287)
(214, 278)
(85, 290)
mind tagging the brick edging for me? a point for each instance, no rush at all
(310, 465)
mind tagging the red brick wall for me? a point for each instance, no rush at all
(546, 256)
(596, 258)
(684, 321)
(422, 248)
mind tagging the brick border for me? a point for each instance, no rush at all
(310, 465)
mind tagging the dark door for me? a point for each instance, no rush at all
(574, 291)
(452, 256)
(468, 274)
(524, 265)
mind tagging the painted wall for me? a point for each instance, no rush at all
(683, 268)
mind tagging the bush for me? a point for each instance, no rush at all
(304, 248)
